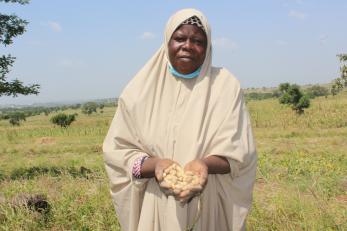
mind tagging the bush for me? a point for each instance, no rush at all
(16, 117)
(292, 95)
(316, 91)
(89, 108)
(258, 95)
(304, 102)
(63, 120)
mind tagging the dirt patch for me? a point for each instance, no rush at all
(46, 140)
(260, 184)
(342, 198)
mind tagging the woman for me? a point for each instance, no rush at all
(180, 109)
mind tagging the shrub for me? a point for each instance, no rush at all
(89, 108)
(292, 95)
(341, 82)
(258, 95)
(316, 91)
(63, 120)
(16, 117)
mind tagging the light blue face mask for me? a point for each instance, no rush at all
(185, 76)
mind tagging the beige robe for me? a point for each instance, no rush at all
(181, 119)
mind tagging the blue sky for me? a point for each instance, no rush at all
(84, 50)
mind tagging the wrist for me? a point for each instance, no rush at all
(206, 163)
(148, 167)
(137, 166)
(217, 164)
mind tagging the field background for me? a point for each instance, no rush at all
(301, 179)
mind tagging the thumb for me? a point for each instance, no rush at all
(159, 174)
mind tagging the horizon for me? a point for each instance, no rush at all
(82, 101)
(84, 50)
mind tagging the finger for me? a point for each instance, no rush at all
(159, 174)
(203, 180)
(196, 188)
(185, 193)
(177, 191)
(204, 174)
(189, 173)
(186, 199)
(165, 184)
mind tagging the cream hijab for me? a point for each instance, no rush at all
(181, 119)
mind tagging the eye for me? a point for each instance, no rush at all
(198, 41)
(179, 39)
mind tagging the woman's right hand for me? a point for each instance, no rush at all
(160, 166)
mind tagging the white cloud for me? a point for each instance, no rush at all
(224, 42)
(56, 27)
(147, 35)
(297, 14)
(281, 42)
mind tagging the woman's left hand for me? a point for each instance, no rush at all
(199, 168)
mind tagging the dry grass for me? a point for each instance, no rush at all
(301, 182)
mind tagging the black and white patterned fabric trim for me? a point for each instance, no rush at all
(194, 21)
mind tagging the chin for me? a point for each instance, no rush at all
(185, 69)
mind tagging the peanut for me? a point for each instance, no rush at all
(178, 179)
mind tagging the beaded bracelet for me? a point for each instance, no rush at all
(136, 170)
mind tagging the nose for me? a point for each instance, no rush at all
(187, 45)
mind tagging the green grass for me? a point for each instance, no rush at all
(301, 179)
(302, 169)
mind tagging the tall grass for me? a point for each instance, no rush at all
(301, 179)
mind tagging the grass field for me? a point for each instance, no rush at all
(301, 180)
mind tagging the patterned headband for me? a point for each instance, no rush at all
(194, 21)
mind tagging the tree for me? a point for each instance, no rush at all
(12, 26)
(341, 82)
(258, 95)
(89, 108)
(16, 117)
(316, 91)
(63, 120)
(276, 93)
(292, 95)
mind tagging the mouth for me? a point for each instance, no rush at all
(186, 58)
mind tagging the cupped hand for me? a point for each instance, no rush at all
(160, 166)
(199, 168)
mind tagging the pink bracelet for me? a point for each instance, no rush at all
(136, 171)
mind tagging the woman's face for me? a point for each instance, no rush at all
(187, 48)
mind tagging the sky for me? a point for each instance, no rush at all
(85, 50)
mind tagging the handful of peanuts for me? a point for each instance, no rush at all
(179, 180)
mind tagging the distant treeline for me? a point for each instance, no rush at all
(15, 115)
(32, 111)
(310, 92)
(37, 110)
